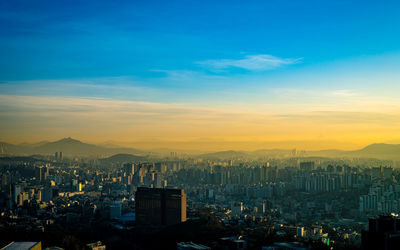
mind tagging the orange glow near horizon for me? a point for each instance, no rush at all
(146, 125)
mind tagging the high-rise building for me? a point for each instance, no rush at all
(46, 194)
(115, 210)
(58, 156)
(387, 172)
(158, 206)
(300, 232)
(42, 173)
(16, 192)
(383, 233)
(237, 208)
(129, 168)
(157, 180)
(376, 172)
(307, 166)
(161, 167)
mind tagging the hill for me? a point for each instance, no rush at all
(121, 158)
(380, 151)
(72, 147)
(69, 147)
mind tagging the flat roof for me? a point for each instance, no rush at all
(21, 245)
(192, 245)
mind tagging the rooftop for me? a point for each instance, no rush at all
(23, 245)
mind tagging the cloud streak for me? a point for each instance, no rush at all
(35, 118)
(344, 93)
(251, 62)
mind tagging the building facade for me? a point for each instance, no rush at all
(158, 206)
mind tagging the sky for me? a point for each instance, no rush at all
(206, 75)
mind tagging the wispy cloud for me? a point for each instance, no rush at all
(344, 93)
(250, 62)
(111, 87)
(178, 74)
(188, 75)
(150, 124)
(44, 117)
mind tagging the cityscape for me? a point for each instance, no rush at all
(223, 200)
(227, 125)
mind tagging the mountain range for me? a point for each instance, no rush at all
(69, 147)
(72, 147)
(380, 151)
(377, 150)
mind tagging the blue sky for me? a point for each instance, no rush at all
(167, 47)
(92, 39)
(256, 55)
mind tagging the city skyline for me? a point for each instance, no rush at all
(211, 76)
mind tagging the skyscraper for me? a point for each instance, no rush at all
(383, 233)
(42, 173)
(158, 206)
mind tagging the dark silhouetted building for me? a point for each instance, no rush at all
(383, 233)
(158, 206)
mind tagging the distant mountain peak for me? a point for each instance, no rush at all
(67, 145)
(381, 147)
(68, 140)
